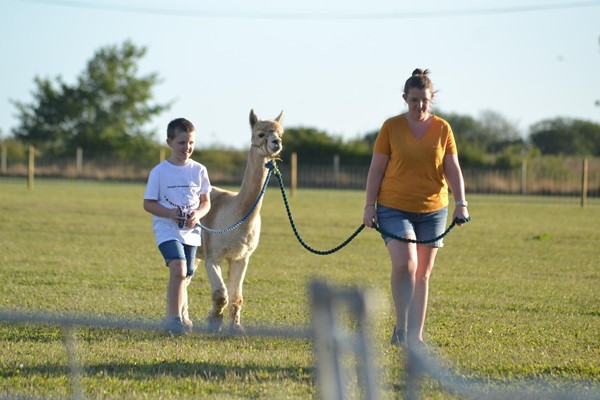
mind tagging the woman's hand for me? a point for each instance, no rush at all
(461, 213)
(370, 216)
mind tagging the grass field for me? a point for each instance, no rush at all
(515, 295)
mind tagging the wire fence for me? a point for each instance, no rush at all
(547, 176)
(333, 340)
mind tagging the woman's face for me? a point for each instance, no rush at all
(418, 101)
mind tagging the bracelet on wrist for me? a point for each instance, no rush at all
(370, 205)
(462, 203)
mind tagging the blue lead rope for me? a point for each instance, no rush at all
(271, 166)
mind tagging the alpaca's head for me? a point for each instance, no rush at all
(266, 135)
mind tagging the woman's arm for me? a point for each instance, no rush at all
(455, 180)
(376, 170)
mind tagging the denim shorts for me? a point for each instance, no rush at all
(424, 226)
(173, 250)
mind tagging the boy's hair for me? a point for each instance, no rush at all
(179, 125)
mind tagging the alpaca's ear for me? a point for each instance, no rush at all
(279, 117)
(253, 118)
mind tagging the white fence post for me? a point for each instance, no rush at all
(332, 342)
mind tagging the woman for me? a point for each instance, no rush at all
(414, 161)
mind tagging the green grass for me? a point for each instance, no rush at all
(514, 295)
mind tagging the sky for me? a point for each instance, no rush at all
(337, 66)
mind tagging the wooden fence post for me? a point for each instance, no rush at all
(584, 182)
(294, 172)
(31, 167)
(4, 163)
(524, 176)
(79, 163)
(336, 170)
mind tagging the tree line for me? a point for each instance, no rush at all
(106, 109)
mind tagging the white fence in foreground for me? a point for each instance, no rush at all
(344, 360)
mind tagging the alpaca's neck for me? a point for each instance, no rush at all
(254, 178)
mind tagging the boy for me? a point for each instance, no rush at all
(177, 196)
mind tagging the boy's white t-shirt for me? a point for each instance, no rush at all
(172, 186)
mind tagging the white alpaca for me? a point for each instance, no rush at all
(237, 246)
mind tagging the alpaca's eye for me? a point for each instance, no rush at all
(261, 135)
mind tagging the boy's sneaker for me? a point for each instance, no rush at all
(176, 326)
(398, 337)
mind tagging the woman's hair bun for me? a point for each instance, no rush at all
(420, 72)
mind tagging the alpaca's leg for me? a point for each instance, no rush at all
(219, 296)
(237, 273)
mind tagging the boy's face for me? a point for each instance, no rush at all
(182, 146)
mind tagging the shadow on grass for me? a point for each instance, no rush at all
(177, 369)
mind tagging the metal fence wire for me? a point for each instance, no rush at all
(545, 176)
(345, 365)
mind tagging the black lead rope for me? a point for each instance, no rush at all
(293, 224)
(419, 241)
(360, 228)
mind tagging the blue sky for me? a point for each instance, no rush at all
(338, 66)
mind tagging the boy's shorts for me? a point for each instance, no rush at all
(173, 250)
(424, 226)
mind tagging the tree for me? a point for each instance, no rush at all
(598, 101)
(310, 144)
(470, 139)
(500, 132)
(104, 112)
(566, 136)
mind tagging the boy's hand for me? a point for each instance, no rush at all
(192, 219)
(181, 217)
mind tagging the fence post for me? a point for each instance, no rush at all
(334, 343)
(4, 163)
(31, 167)
(336, 170)
(584, 182)
(79, 163)
(294, 173)
(524, 176)
(161, 154)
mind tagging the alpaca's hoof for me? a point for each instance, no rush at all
(214, 323)
(237, 330)
(188, 323)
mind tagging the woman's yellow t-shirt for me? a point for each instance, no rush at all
(414, 178)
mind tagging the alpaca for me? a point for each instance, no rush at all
(237, 246)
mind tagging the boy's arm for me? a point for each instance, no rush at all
(201, 211)
(154, 208)
(204, 206)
